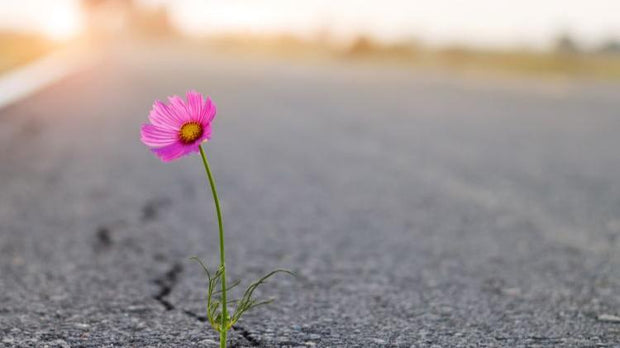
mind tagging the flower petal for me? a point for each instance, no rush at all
(194, 105)
(179, 109)
(155, 136)
(174, 151)
(206, 134)
(208, 111)
(162, 116)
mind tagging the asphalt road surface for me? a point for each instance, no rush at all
(418, 210)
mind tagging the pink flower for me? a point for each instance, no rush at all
(178, 128)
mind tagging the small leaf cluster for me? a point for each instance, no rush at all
(243, 304)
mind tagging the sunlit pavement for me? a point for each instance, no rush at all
(418, 210)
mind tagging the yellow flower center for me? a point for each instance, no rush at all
(190, 132)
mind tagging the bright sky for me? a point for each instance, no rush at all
(496, 23)
(59, 19)
(480, 22)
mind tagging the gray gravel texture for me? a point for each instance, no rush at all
(419, 210)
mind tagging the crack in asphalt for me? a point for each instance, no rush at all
(200, 318)
(247, 335)
(168, 280)
(103, 237)
(151, 209)
(166, 283)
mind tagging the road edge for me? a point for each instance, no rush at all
(19, 83)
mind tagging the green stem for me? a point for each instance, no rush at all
(224, 324)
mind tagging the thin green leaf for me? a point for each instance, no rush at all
(195, 258)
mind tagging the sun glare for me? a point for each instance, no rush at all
(63, 23)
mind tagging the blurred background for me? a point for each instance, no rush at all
(439, 173)
(554, 37)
